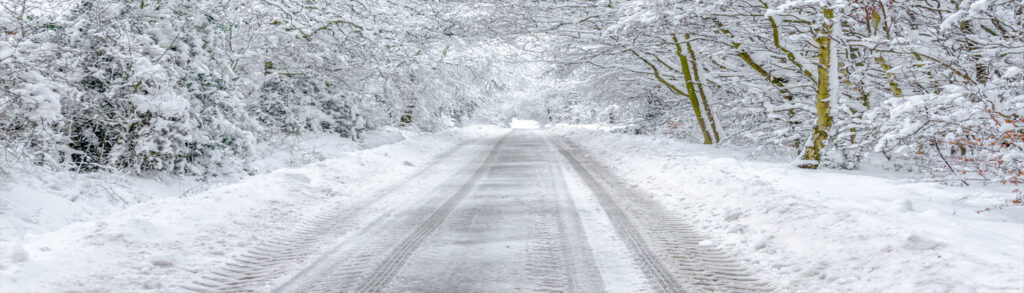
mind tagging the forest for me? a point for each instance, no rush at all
(934, 88)
(662, 146)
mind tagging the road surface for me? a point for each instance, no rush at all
(527, 212)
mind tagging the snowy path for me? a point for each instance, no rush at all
(525, 212)
(561, 209)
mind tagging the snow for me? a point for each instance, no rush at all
(379, 137)
(524, 124)
(222, 89)
(166, 104)
(292, 151)
(803, 230)
(162, 243)
(825, 230)
(37, 200)
(614, 261)
(39, 95)
(6, 51)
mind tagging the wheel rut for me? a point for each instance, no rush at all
(366, 261)
(397, 258)
(504, 222)
(517, 231)
(559, 258)
(268, 259)
(668, 250)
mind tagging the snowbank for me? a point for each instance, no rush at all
(826, 231)
(164, 243)
(35, 200)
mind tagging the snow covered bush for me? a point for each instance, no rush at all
(966, 133)
(188, 87)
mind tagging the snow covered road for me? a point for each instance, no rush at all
(518, 213)
(564, 209)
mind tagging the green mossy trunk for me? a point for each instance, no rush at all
(812, 151)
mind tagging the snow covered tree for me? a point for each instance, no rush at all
(188, 87)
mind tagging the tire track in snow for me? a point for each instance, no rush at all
(634, 241)
(548, 268)
(349, 263)
(672, 251)
(398, 257)
(506, 235)
(569, 246)
(279, 254)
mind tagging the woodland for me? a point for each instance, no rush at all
(931, 87)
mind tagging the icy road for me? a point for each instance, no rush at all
(523, 212)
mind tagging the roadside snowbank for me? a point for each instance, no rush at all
(35, 200)
(826, 230)
(161, 244)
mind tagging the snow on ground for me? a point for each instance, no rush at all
(523, 124)
(826, 230)
(161, 243)
(806, 231)
(39, 202)
(36, 200)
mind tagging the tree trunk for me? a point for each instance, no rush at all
(691, 91)
(700, 90)
(812, 152)
(676, 90)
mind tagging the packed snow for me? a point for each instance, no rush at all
(164, 243)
